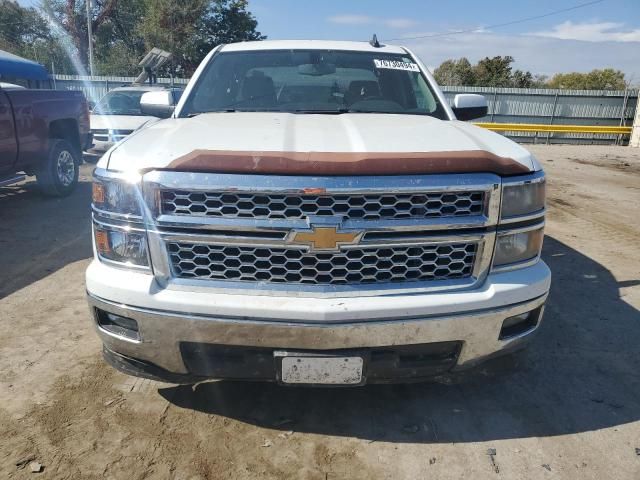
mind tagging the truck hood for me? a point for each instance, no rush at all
(318, 144)
(118, 122)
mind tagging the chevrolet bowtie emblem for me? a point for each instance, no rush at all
(325, 238)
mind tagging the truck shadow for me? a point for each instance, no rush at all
(579, 374)
(52, 232)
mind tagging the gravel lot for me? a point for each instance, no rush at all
(570, 410)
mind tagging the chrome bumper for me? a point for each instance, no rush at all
(162, 332)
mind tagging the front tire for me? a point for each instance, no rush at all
(58, 176)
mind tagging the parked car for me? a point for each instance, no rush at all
(118, 114)
(315, 213)
(42, 133)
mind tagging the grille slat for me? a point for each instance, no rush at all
(363, 265)
(373, 206)
(105, 135)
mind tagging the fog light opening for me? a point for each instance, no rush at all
(519, 324)
(117, 325)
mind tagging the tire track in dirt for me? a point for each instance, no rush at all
(90, 428)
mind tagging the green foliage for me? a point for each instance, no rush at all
(123, 31)
(494, 72)
(455, 72)
(119, 47)
(175, 27)
(604, 79)
(69, 23)
(25, 33)
(522, 79)
(497, 72)
(488, 72)
(191, 29)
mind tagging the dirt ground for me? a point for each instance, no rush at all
(570, 410)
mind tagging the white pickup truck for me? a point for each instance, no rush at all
(315, 213)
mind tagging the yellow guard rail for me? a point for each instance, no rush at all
(534, 127)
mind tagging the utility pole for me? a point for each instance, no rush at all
(90, 35)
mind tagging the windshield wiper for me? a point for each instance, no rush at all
(229, 110)
(337, 111)
(233, 110)
(324, 111)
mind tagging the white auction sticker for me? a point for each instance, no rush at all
(396, 65)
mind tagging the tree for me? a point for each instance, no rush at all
(71, 16)
(540, 81)
(229, 21)
(19, 26)
(455, 72)
(25, 33)
(604, 79)
(118, 43)
(520, 79)
(494, 72)
(192, 28)
(488, 72)
(175, 27)
(123, 31)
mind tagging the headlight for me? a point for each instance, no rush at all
(523, 198)
(517, 247)
(128, 248)
(120, 196)
(118, 227)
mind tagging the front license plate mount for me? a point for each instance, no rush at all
(320, 369)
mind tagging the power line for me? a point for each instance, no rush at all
(498, 25)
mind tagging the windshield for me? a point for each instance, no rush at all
(313, 81)
(121, 102)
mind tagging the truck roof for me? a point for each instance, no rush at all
(310, 45)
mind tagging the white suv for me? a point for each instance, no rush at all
(314, 213)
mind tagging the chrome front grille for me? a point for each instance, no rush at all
(321, 236)
(374, 206)
(391, 264)
(105, 135)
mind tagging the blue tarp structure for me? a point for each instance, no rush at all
(18, 67)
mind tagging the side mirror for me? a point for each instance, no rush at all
(91, 105)
(467, 106)
(157, 103)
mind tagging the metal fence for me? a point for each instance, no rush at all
(557, 107)
(506, 105)
(95, 87)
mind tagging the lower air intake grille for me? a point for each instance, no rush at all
(349, 266)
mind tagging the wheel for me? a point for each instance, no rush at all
(58, 176)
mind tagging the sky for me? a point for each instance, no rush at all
(603, 34)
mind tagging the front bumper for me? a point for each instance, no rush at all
(168, 319)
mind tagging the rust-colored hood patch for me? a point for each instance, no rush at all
(348, 163)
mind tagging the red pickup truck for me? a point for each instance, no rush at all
(42, 133)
